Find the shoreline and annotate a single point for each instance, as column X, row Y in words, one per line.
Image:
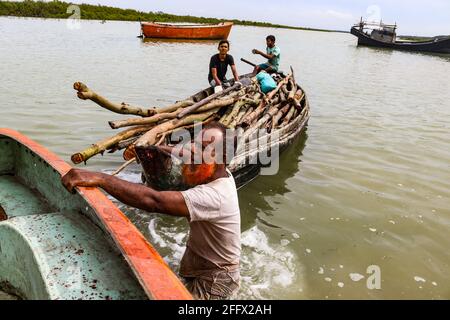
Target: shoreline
column 58, row 10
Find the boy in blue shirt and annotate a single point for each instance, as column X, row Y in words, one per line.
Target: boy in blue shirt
column 272, row 54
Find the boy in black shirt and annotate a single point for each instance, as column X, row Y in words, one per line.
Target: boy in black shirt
column 218, row 66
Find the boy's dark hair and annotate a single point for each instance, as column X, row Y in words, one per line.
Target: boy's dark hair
column 270, row 37
column 224, row 41
column 230, row 140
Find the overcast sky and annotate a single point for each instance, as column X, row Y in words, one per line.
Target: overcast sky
column 414, row 17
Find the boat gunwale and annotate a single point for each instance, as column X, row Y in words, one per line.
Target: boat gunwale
column 152, row 272
column 187, row 26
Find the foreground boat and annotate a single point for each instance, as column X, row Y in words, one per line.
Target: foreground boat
column 55, row 245
column 384, row 36
column 165, row 172
column 199, row 32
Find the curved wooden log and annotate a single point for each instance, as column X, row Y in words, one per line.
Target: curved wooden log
column 245, row 110
column 150, row 138
column 176, row 106
column 103, row 145
column 84, row 93
column 288, row 116
column 208, row 99
column 298, row 97
column 293, row 91
column 143, row 121
column 279, row 115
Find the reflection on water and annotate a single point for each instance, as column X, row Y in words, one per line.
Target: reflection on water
column 255, row 196
column 443, row 56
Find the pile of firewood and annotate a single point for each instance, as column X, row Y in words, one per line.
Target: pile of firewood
column 239, row 106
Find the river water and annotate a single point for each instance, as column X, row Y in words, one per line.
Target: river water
column 366, row 187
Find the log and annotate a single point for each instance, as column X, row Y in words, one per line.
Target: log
column 150, row 137
column 292, row 91
column 208, row 99
column 279, row 115
column 262, row 122
column 189, row 126
column 144, row 121
column 298, row 97
column 125, row 143
column 103, row 145
column 176, row 106
column 248, row 120
column 122, row 144
column 172, row 115
column 236, row 107
column 240, row 115
column 288, row 116
column 85, row 93
column 282, row 96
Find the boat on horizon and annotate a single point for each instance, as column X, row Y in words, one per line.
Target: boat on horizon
column 157, row 30
column 378, row 34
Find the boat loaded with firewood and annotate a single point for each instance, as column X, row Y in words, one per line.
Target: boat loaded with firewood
column 184, row 31
column 279, row 116
column 385, row 36
column 57, row 245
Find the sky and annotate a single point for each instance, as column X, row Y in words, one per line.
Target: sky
column 414, row 17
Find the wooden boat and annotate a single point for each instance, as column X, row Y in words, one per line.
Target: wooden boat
column 162, row 171
column 57, row 245
column 384, row 36
column 199, row 32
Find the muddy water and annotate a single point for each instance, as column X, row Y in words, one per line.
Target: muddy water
column 366, row 185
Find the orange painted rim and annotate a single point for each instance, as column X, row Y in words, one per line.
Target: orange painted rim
column 167, row 31
column 156, row 278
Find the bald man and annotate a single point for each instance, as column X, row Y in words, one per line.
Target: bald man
column 210, row 264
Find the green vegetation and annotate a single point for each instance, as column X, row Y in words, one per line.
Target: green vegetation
column 58, row 9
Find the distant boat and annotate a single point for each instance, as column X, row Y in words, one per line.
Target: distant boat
column 198, row 31
column 385, row 36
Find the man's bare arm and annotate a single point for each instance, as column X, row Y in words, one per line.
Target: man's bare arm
column 214, row 74
column 132, row 194
column 235, row 73
column 265, row 55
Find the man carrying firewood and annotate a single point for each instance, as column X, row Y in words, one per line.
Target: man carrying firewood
column 210, row 265
column 272, row 54
column 218, row 67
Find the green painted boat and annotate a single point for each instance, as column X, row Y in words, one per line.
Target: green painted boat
column 57, row 245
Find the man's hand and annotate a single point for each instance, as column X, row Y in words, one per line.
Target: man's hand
column 256, row 51
column 80, row 178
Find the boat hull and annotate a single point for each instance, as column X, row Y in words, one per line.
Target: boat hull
column 70, row 246
column 164, row 171
column 437, row 46
column 198, row 32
